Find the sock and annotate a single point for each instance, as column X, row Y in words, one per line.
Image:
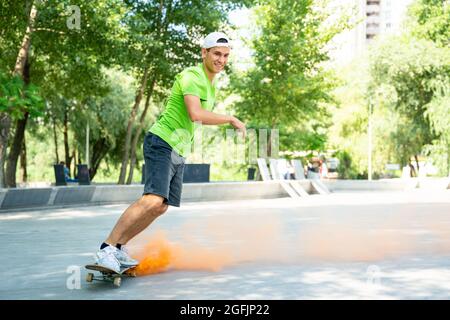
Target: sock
column 119, row 246
column 104, row 245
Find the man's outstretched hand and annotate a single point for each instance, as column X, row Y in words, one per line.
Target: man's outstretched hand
column 237, row 124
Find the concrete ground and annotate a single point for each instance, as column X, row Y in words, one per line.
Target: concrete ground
column 359, row 245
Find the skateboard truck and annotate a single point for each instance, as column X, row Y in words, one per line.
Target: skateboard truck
column 108, row 275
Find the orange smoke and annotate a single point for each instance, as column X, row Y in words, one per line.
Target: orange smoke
column 344, row 243
column 225, row 240
column 159, row 255
column 155, row 257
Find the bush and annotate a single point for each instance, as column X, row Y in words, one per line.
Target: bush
column 345, row 168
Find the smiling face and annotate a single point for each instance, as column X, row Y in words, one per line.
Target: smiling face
column 215, row 58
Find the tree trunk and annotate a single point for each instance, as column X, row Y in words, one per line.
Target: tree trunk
column 448, row 158
column 55, row 139
column 412, row 170
column 138, row 132
column 417, row 163
column 14, row 152
column 23, row 161
column 22, row 57
column 19, row 135
column 126, row 149
column 66, row 139
column 75, row 161
column 19, row 69
column 5, row 125
column 100, row 149
column 162, row 26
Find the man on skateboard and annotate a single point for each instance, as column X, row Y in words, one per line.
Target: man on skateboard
column 165, row 147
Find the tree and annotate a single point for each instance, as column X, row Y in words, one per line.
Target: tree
column 405, row 84
column 15, row 97
column 21, row 70
column 416, row 68
column 106, row 115
column 288, row 88
column 60, row 49
column 164, row 38
column 430, row 20
column 417, row 71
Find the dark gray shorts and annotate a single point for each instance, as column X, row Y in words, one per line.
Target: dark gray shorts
column 163, row 170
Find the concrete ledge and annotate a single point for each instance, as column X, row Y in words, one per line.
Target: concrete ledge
column 25, row 198
column 105, row 194
column 35, row 198
column 232, row 191
column 388, row 184
column 374, row 185
column 213, row 191
column 433, row 184
column 2, row 196
column 74, row 195
column 117, row 193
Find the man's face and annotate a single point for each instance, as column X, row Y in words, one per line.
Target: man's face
column 215, row 58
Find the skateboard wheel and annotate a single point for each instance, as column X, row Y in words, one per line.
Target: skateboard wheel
column 89, row 277
column 132, row 274
column 117, row 282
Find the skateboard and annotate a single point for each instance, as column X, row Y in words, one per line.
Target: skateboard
column 109, row 275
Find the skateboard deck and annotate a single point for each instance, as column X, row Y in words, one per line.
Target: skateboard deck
column 109, row 275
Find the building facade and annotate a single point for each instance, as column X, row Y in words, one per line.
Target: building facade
column 375, row 18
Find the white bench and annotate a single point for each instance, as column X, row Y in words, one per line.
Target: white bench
column 279, row 171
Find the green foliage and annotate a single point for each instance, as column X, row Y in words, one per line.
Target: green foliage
column 68, row 64
column 438, row 112
column 418, row 72
column 345, row 169
column 16, row 98
column 92, row 75
column 287, row 88
column 226, row 172
column 165, row 36
column 407, row 85
column 106, row 114
column 431, row 20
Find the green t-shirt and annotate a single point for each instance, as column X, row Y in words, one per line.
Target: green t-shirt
column 174, row 125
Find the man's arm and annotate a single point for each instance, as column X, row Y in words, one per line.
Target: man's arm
column 198, row 114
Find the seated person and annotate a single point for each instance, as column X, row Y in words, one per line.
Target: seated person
column 67, row 173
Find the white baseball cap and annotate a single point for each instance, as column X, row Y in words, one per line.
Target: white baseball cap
column 216, row 39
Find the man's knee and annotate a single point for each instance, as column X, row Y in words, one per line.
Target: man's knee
column 153, row 205
column 158, row 210
column 162, row 209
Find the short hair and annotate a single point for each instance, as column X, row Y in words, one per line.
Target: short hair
column 222, row 40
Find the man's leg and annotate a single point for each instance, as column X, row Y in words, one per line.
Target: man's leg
column 136, row 218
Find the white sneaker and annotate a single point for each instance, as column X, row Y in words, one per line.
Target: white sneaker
column 106, row 257
column 124, row 258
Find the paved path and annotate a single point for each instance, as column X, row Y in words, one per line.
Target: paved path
column 379, row 245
